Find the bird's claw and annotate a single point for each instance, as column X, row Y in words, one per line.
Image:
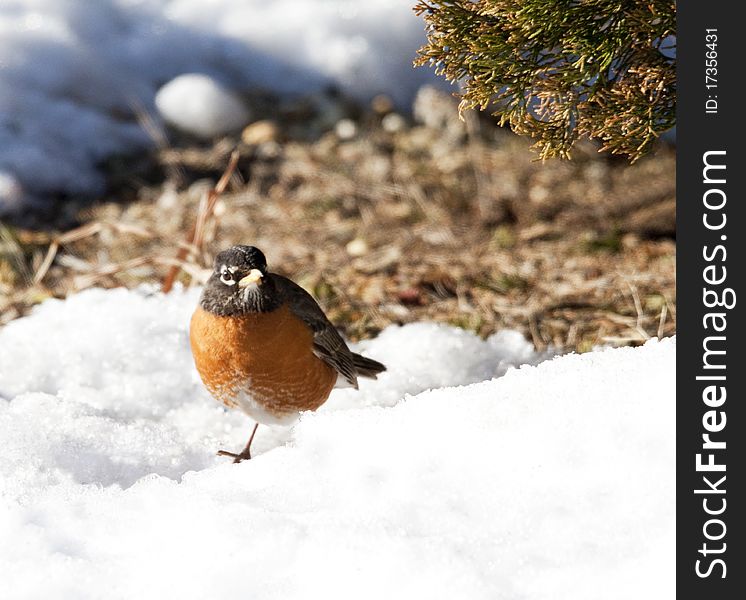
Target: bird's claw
column 237, row 458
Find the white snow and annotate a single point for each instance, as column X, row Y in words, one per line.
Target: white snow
column 551, row 481
column 199, row 105
column 74, row 73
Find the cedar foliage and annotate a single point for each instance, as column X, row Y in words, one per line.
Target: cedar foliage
column 557, row 70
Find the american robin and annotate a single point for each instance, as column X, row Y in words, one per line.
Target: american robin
column 262, row 344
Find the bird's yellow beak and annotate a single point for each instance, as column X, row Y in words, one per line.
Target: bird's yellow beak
column 253, row 278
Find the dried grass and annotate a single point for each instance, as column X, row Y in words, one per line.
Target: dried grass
column 389, row 228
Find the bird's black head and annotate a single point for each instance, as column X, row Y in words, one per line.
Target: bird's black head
column 239, row 284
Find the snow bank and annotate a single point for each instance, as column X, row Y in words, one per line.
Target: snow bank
column 73, row 73
column 553, row 481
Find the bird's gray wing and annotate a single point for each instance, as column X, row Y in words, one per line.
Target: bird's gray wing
column 328, row 345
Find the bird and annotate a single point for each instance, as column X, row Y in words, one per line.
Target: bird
column 263, row 345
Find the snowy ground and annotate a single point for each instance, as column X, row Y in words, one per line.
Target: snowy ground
column 553, row 481
column 73, row 72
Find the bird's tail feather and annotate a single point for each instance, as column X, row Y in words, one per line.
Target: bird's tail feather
column 367, row 367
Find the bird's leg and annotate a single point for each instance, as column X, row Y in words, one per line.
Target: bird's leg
column 245, row 453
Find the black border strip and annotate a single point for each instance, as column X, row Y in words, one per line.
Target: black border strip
column 710, row 262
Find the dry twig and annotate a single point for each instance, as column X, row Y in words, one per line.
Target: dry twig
column 195, row 237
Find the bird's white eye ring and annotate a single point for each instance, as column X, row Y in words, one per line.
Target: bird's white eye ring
column 227, row 278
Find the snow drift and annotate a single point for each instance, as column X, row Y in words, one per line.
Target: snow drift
column 551, row 481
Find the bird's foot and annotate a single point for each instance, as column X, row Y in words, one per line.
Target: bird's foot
column 245, row 453
column 237, row 458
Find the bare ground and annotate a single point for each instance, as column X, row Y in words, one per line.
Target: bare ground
column 386, row 221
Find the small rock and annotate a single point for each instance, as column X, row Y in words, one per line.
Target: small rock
column 357, row 247
column 346, row 129
column 220, row 208
column 260, row 132
column 393, row 123
column 382, row 104
column 376, row 168
column 538, row 194
column 169, row 197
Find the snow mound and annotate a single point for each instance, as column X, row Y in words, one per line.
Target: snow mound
column 199, row 105
column 551, row 481
column 74, row 75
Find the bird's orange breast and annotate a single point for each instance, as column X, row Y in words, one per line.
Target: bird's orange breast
column 262, row 359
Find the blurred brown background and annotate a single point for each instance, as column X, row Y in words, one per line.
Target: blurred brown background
column 385, row 218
